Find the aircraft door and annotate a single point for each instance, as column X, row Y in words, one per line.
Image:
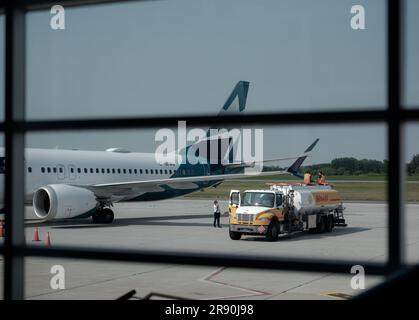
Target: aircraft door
column 60, row 172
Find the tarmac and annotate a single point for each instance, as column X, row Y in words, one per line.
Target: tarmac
column 186, row 225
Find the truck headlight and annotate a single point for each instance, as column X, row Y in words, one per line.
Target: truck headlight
column 264, row 219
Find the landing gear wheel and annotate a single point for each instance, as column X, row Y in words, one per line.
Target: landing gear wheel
column 273, row 231
column 103, row 216
column 96, row 216
column 235, row 235
column 329, row 224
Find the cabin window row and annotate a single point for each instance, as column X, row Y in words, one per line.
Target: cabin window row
column 105, row 171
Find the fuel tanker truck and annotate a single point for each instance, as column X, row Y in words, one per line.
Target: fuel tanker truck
column 284, row 209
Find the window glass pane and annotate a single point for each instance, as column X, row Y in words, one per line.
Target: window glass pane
column 100, row 280
column 2, row 70
column 2, row 217
column 352, row 158
column 185, row 57
column 411, row 92
column 2, row 278
column 412, row 192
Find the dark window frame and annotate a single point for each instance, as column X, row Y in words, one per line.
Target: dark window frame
column 15, row 126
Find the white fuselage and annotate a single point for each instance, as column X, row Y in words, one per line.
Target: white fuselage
column 75, row 167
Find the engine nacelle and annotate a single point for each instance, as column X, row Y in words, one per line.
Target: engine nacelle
column 61, row 201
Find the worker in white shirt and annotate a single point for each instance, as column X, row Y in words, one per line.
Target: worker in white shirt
column 217, row 214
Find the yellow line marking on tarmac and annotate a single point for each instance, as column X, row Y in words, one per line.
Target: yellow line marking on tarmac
column 339, row 295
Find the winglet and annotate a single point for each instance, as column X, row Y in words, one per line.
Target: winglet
column 293, row 169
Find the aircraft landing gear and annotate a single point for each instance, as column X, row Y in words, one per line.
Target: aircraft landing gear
column 103, row 216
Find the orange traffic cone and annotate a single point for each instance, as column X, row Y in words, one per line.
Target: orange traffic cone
column 2, row 233
column 48, row 240
column 36, row 235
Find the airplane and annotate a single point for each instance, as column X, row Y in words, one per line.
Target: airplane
column 68, row 184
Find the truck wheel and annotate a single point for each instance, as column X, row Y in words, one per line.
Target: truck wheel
column 273, row 231
column 235, row 235
column 322, row 225
column 329, row 224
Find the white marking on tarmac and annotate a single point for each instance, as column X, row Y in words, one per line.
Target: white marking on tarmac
column 210, row 279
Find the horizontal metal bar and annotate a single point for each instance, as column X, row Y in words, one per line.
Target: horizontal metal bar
column 32, row 5
column 311, row 118
column 202, row 120
column 410, row 114
column 200, row 259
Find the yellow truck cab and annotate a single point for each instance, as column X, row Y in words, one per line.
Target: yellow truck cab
column 284, row 209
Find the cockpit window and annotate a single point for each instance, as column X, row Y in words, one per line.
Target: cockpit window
column 258, row 199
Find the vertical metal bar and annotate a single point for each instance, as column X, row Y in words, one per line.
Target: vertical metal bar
column 395, row 143
column 14, row 180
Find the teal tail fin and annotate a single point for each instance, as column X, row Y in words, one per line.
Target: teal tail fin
column 236, row 102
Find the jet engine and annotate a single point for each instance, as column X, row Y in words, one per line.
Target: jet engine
column 61, row 201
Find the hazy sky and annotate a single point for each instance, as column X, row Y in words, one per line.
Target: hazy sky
column 185, row 56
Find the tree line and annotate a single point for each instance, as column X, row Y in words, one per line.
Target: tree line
column 413, row 166
column 353, row 166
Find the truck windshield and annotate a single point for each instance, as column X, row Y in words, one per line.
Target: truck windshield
column 259, row 199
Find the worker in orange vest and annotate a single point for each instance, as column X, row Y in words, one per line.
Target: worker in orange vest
column 321, row 179
column 307, row 177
